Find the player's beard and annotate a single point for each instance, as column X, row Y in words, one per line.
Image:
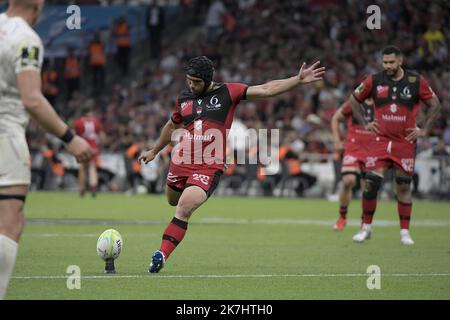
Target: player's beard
column 393, row 73
column 196, row 93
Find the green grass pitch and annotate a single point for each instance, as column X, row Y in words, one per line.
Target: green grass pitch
column 235, row 248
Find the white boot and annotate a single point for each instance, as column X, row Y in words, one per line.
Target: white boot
column 363, row 234
column 405, row 237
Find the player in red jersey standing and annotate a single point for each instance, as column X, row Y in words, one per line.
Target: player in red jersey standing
column 397, row 94
column 90, row 128
column 205, row 112
column 356, row 149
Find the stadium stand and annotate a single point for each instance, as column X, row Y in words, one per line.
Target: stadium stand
column 257, row 41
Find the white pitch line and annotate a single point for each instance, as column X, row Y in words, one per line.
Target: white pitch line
column 52, row 235
column 350, row 222
column 234, row 221
column 85, row 235
column 225, row 276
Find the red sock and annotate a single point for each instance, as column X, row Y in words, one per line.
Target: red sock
column 172, row 236
column 343, row 212
column 369, row 206
column 404, row 214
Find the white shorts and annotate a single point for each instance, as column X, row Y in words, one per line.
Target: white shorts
column 15, row 160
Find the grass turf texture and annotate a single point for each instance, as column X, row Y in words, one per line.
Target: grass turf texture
column 235, row 248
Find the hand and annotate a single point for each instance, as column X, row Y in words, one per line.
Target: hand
column 147, row 156
column 311, row 74
column 372, row 127
column 415, row 133
column 80, row 149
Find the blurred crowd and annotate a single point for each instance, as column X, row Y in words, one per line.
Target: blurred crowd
column 253, row 41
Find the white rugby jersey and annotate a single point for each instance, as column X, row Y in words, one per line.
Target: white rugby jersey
column 20, row 49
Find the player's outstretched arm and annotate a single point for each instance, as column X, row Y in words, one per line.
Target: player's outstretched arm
column 163, row 140
column 29, row 84
column 277, row 87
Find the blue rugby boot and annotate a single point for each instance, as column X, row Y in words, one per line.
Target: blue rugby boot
column 157, row 263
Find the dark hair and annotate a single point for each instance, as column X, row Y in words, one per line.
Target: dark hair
column 85, row 111
column 392, row 50
column 201, row 67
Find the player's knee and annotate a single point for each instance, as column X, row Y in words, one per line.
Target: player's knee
column 187, row 206
column 349, row 184
column 403, row 186
column 373, row 184
column 349, row 180
column 184, row 209
column 403, row 190
column 12, row 224
column 403, row 180
column 173, row 202
column 19, row 225
column 172, row 197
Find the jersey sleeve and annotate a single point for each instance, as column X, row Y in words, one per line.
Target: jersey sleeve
column 425, row 91
column 364, row 90
column 238, row 91
column 347, row 109
column 29, row 55
column 177, row 117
